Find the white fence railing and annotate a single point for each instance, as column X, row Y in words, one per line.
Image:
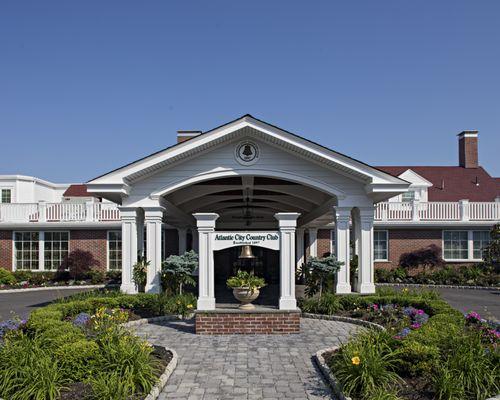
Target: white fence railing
column 59, row 212
column 438, row 211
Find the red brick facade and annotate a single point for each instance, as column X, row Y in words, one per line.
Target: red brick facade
column 216, row 323
column 6, row 250
column 94, row 241
column 324, row 242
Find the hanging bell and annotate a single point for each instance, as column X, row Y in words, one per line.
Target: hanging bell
column 246, row 252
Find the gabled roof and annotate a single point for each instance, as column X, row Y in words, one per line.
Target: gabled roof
column 376, row 179
column 78, row 190
column 454, row 183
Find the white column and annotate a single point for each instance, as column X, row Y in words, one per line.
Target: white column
column 206, row 293
column 194, row 234
column 89, row 211
column 287, row 225
column 366, row 278
column 343, row 215
column 42, row 211
column 182, row 232
column 129, row 247
column 313, row 242
column 153, row 217
column 299, row 246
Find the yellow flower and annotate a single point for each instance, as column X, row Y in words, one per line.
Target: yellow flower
column 356, row 360
column 189, row 306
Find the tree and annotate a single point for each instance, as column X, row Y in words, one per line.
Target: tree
column 78, row 263
column 177, row 271
column 425, row 257
column 320, row 272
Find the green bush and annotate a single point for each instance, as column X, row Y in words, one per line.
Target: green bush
column 76, row 358
column 112, row 386
column 7, row 277
column 328, row 304
column 418, row 359
column 366, row 364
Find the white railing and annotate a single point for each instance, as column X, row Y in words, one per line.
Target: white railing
column 462, row 210
column 59, row 212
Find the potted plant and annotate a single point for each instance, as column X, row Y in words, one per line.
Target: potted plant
column 140, row 273
column 245, row 287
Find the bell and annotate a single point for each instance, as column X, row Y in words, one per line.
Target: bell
column 246, row 252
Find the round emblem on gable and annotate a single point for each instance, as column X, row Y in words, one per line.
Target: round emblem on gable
column 247, row 153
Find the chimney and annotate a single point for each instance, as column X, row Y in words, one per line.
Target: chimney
column 182, row 136
column 467, row 149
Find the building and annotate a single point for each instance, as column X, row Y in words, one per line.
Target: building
column 249, row 182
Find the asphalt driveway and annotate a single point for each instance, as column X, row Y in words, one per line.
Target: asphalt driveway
column 21, row 304
column 485, row 302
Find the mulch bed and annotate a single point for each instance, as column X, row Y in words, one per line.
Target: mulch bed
column 80, row 390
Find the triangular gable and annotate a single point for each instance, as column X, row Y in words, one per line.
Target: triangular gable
column 415, row 179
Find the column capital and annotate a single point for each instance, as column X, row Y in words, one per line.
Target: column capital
column 342, row 213
column 128, row 214
column 287, row 220
column 153, row 213
column 205, row 221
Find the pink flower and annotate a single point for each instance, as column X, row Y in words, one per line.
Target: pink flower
column 415, row 325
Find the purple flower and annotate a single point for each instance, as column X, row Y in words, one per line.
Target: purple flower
column 415, row 325
column 10, row 325
column 81, row 320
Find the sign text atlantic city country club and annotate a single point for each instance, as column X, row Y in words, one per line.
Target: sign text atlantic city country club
column 229, row 239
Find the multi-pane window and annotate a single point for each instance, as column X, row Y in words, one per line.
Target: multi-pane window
column 6, row 196
column 380, row 245
column 26, row 250
column 56, row 247
column 481, row 239
column 456, row 245
column 115, row 250
column 408, row 196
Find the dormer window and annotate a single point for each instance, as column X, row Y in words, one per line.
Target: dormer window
column 408, row 197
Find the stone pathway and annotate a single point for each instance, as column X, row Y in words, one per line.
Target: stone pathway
column 246, row 366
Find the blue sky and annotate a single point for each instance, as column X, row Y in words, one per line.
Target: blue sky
column 88, row 86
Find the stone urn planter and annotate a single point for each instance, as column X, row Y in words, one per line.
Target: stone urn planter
column 245, row 296
column 245, row 287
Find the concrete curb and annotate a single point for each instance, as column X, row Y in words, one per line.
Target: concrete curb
column 319, row 359
column 42, row 288
column 419, row 285
column 162, row 380
column 354, row 321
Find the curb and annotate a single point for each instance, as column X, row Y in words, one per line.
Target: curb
column 162, row 380
column 354, row 321
column 327, row 374
column 42, row 288
column 419, row 285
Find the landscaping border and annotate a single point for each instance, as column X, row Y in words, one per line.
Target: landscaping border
column 319, row 359
column 423, row 286
column 354, row 321
column 62, row 287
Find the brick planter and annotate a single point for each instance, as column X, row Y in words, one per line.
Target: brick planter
column 258, row 321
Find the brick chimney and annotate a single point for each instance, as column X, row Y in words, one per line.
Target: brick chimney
column 467, row 149
column 182, row 136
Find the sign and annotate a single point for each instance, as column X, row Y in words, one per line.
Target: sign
column 224, row 240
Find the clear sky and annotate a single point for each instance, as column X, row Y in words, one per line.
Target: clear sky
column 87, row 86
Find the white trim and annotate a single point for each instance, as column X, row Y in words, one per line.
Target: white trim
column 470, row 245
column 41, row 255
column 107, row 248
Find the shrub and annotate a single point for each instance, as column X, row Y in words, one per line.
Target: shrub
column 112, row 386
column 7, row 277
column 328, row 304
column 114, row 277
column 22, row 276
column 425, row 257
column 320, row 274
column 76, row 358
column 79, row 263
column 140, row 273
column 418, row 359
column 177, row 271
column 95, row 276
column 366, row 364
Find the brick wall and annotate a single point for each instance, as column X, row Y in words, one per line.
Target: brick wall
column 6, row 250
column 94, row 241
column 324, row 247
column 221, row 323
column 406, row 240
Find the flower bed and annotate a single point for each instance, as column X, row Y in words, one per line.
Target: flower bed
column 428, row 350
column 78, row 349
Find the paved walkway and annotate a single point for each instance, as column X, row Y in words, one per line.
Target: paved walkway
column 246, row 366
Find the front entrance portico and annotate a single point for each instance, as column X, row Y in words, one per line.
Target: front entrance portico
column 248, row 176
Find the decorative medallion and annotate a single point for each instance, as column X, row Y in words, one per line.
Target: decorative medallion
column 247, row 153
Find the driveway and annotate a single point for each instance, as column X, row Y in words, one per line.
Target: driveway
column 246, row 366
column 22, row 303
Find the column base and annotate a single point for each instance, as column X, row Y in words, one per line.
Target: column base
column 366, row 288
column 343, row 288
column 128, row 288
column 205, row 303
column 288, row 304
column 152, row 289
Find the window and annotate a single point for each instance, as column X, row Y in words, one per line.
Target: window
column 26, row 250
column 455, row 245
column 481, row 239
column 380, row 245
column 408, row 196
column 6, row 196
column 56, row 247
column 115, row 250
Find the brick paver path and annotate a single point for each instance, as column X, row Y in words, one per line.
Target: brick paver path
column 246, row 366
